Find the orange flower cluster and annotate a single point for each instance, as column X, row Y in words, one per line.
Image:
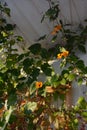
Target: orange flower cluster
column 39, row 85
column 56, row 29
column 63, row 54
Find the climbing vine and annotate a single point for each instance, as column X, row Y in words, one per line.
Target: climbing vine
column 26, row 101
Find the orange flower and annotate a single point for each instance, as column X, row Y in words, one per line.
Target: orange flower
column 56, row 29
column 39, row 84
column 63, row 54
column 59, row 56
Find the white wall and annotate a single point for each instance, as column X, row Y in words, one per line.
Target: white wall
column 27, row 14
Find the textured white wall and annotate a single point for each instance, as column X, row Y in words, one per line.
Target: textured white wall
column 27, row 14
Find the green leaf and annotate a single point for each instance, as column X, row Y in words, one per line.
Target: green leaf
column 54, row 78
column 76, row 108
column 12, row 42
column 35, row 48
column 85, row 70
column 73, row 58
column 84, row 114
column 12, row 100
column 32, row 88
column 63, row 82
column 27, row 112
column 53, row 12
column 48, row 71
column 4, row 34
column 35, row 73
column 19, row 38
column 20, row 57
column 9, row 27
column 13, row 118
column 82, row 103
column 28, row 62
column 7, row 11
column 9, row 63
column 65, row 72
column 66, row 75
column 31, row 106
column 80, row 81
column 71, row 77
column 80, row 100
column 42, row 37
column 80, row 64
column 14, row 72
column 82, row 48
column 46, row 68
column 62, row 49
column 76, row 121
column 44, row 53
column 7, row 115
column 30, row 80
column 20, row 86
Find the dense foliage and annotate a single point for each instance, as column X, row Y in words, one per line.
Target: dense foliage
column 26, row 102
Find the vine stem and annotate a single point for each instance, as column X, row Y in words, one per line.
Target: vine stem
column 8, row 117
